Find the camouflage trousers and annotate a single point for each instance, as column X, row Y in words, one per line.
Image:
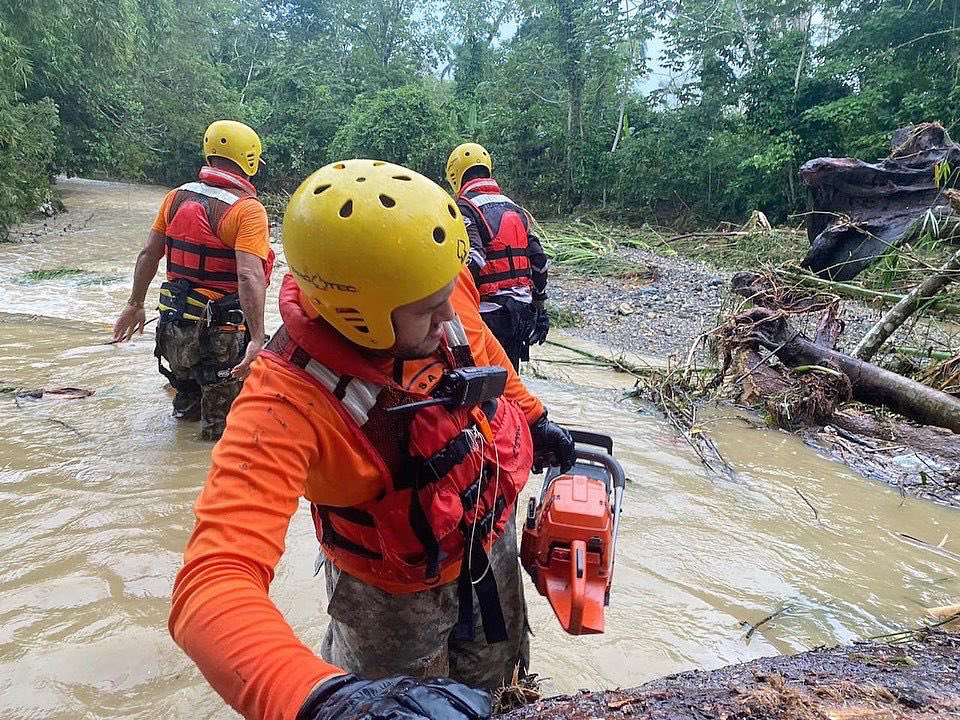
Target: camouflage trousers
column 179, row 345
column 375, row 634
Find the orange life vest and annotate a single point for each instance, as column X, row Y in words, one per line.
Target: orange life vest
column 507, row 262
column 194, row 250
column 451, row 476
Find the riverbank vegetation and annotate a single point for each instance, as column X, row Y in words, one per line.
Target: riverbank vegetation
column 684, row 114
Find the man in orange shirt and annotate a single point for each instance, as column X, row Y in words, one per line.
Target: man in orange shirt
column 388, row 405
column 216, row 239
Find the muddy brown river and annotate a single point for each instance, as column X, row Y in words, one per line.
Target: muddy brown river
column 96, row 497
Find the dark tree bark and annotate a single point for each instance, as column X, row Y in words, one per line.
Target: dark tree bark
column 870, row 384
column 860, row 209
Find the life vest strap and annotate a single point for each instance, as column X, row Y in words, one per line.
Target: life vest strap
column 424, row 533
column 477, row 563
column 503, row 253
column 331, row 537
column 492, row 278
column 199, row 249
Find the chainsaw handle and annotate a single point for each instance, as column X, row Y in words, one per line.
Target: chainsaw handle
column 614, row 478
column 583, row 437
column 578, row 585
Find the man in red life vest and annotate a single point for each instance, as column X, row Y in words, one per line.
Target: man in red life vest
column 506, row 259
column 412, row 488
column 215, row 236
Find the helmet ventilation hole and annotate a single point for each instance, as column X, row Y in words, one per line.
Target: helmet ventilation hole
column 347, row 209
column 467, row 154
column 355, row 320
column 223, row 141
column 320, row 188
column 387, row 201
column 452, row 211
column 402, row 177
column 378, row 163
column 439, row 235
column 339, row 166
column 361, row 179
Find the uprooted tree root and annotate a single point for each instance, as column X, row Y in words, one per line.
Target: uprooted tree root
column 522, row 690
column 918, row 679
column 792, row 397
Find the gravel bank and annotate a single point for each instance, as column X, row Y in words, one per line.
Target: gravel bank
column 660, row 312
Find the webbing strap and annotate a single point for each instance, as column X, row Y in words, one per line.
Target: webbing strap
column 424, row 472
column 486, row 279
column 476, row 563
column 200, row 273
column 507, row 252
column 200, row 249
column 175, row 382
column 334, row 539
column 421, row 528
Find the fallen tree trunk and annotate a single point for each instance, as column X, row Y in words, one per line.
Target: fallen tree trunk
column 899, row 313
column 913, row 680
column 861, row 210
column 856, row 292
column 932, row 441
column 869, row 383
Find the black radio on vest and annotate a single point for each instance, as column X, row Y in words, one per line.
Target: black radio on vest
column 463, row 387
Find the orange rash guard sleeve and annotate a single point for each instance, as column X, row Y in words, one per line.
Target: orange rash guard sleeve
column 221, row 612
column 485, row 346
column 160, row 221
column 247, row 228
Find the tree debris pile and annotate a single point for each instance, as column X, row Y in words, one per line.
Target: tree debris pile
column 768, row 361
column 861, row 210
column 922, row 461
column 918, row 679
column 792, row 397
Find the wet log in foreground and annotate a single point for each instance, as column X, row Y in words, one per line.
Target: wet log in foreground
column 915, row 680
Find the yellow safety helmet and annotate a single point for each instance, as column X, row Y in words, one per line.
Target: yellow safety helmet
column 462, row 159
column 235, row 141
column 364, row 237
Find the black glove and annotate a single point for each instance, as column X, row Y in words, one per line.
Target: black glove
column 552, row 446
column 541, row 326
column 349, row 697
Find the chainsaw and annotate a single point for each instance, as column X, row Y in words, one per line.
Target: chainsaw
column 569, row 540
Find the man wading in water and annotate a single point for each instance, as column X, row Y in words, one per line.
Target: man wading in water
column 216, row 239
column 414, row 507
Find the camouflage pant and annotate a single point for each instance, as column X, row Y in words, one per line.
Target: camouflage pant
column 376, row 634
column 179, row 344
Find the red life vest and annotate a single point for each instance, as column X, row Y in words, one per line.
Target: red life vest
column 194, row 250
column 508, row 264
column 451, row 477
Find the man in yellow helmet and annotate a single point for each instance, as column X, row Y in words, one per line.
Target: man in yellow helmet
column 384, row 401
column 216, row 239
column 506, row 259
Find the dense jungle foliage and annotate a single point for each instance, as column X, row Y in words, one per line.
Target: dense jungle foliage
column 560, row 91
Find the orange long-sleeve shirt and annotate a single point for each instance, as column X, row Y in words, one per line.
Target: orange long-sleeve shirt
column 283, row 440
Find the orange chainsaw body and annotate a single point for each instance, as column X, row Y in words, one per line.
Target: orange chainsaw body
column 567, row 547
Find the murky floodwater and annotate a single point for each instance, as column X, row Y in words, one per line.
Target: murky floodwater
column 96, row 496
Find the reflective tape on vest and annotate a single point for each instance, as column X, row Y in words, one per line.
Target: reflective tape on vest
column 358, row 396
column 481, row 200
column 211, row 192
